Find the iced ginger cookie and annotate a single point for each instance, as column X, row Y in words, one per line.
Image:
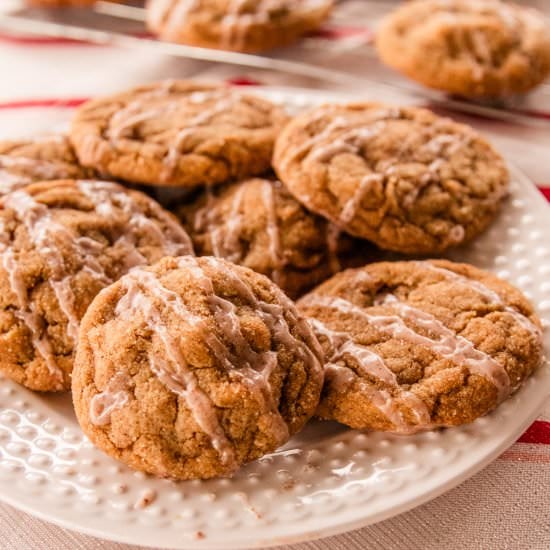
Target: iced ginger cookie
column 258, row 224
column 61, row 243
column 411, row 346
column 239, row 25
column 177, row 133
column 472, row 48
column 404, row 178
column 194, row 366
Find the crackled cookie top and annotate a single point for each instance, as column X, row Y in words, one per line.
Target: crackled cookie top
column 258, row 224
column 468, row 47
column 60, row 243
column 40, row 159
column 241, row 25
column 418, row 345
column 193, row 367
column 404, row 178
column 177, row 133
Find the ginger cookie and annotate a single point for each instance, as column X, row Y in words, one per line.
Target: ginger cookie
column 239, row 25
column 40, row 159
column 404, row 178
column 62, row 242
column 258, row 224
column 474, row 48
column 193, row 367
column 411, row 346
column 177, row 133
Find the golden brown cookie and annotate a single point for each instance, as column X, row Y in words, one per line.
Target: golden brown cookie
column 239, row 25
column 40, row 159
column 62, row 242
column 474, row 48
column 258, row 224
column 411, row 346
column 402, row 177
column 177, row 133
column 193, row 367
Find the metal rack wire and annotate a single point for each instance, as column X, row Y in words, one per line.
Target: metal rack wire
column 123, row 25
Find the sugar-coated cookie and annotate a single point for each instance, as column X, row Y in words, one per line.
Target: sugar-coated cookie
column 406, row 179
column 258, row 224
column 177, row 133
column 193, row 367
column 412, row 346
column 62, row 242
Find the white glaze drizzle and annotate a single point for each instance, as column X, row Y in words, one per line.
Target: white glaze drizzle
column 225, row 236
column 487, row 293
column 113, row 397
column 272, row 230
column 333, row 233
column 447, row 343
column 236, row 23
column 371, row 364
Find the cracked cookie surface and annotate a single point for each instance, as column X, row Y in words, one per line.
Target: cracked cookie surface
column 402, row 177
column 46, row 158
column 411, row 346
column 239, row 25
column 193, row 367
column 468, row 47
column 62, row 242
column 258, row 224
column 177, row 133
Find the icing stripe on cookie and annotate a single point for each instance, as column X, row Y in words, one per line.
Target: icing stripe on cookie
column 113, row 397
column 273, row 316
column 170, row 366
column 254, row 368
column 487, row 293
column 107, row 197
column 448, row 344
column 371, row 364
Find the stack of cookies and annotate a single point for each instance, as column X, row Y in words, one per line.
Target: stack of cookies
column 177, row 331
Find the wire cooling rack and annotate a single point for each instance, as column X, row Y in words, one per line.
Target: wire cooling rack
column 123, row 25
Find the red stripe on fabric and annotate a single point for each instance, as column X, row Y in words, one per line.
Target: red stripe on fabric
column 538, row 432
column 243, row 81
column 545, row 190
column 44, row 103
column 57, row 41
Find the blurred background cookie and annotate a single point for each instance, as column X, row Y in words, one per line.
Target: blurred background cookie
column 474, row 48
column 240, row 25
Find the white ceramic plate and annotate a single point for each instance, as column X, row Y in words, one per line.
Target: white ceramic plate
column 325, row 481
